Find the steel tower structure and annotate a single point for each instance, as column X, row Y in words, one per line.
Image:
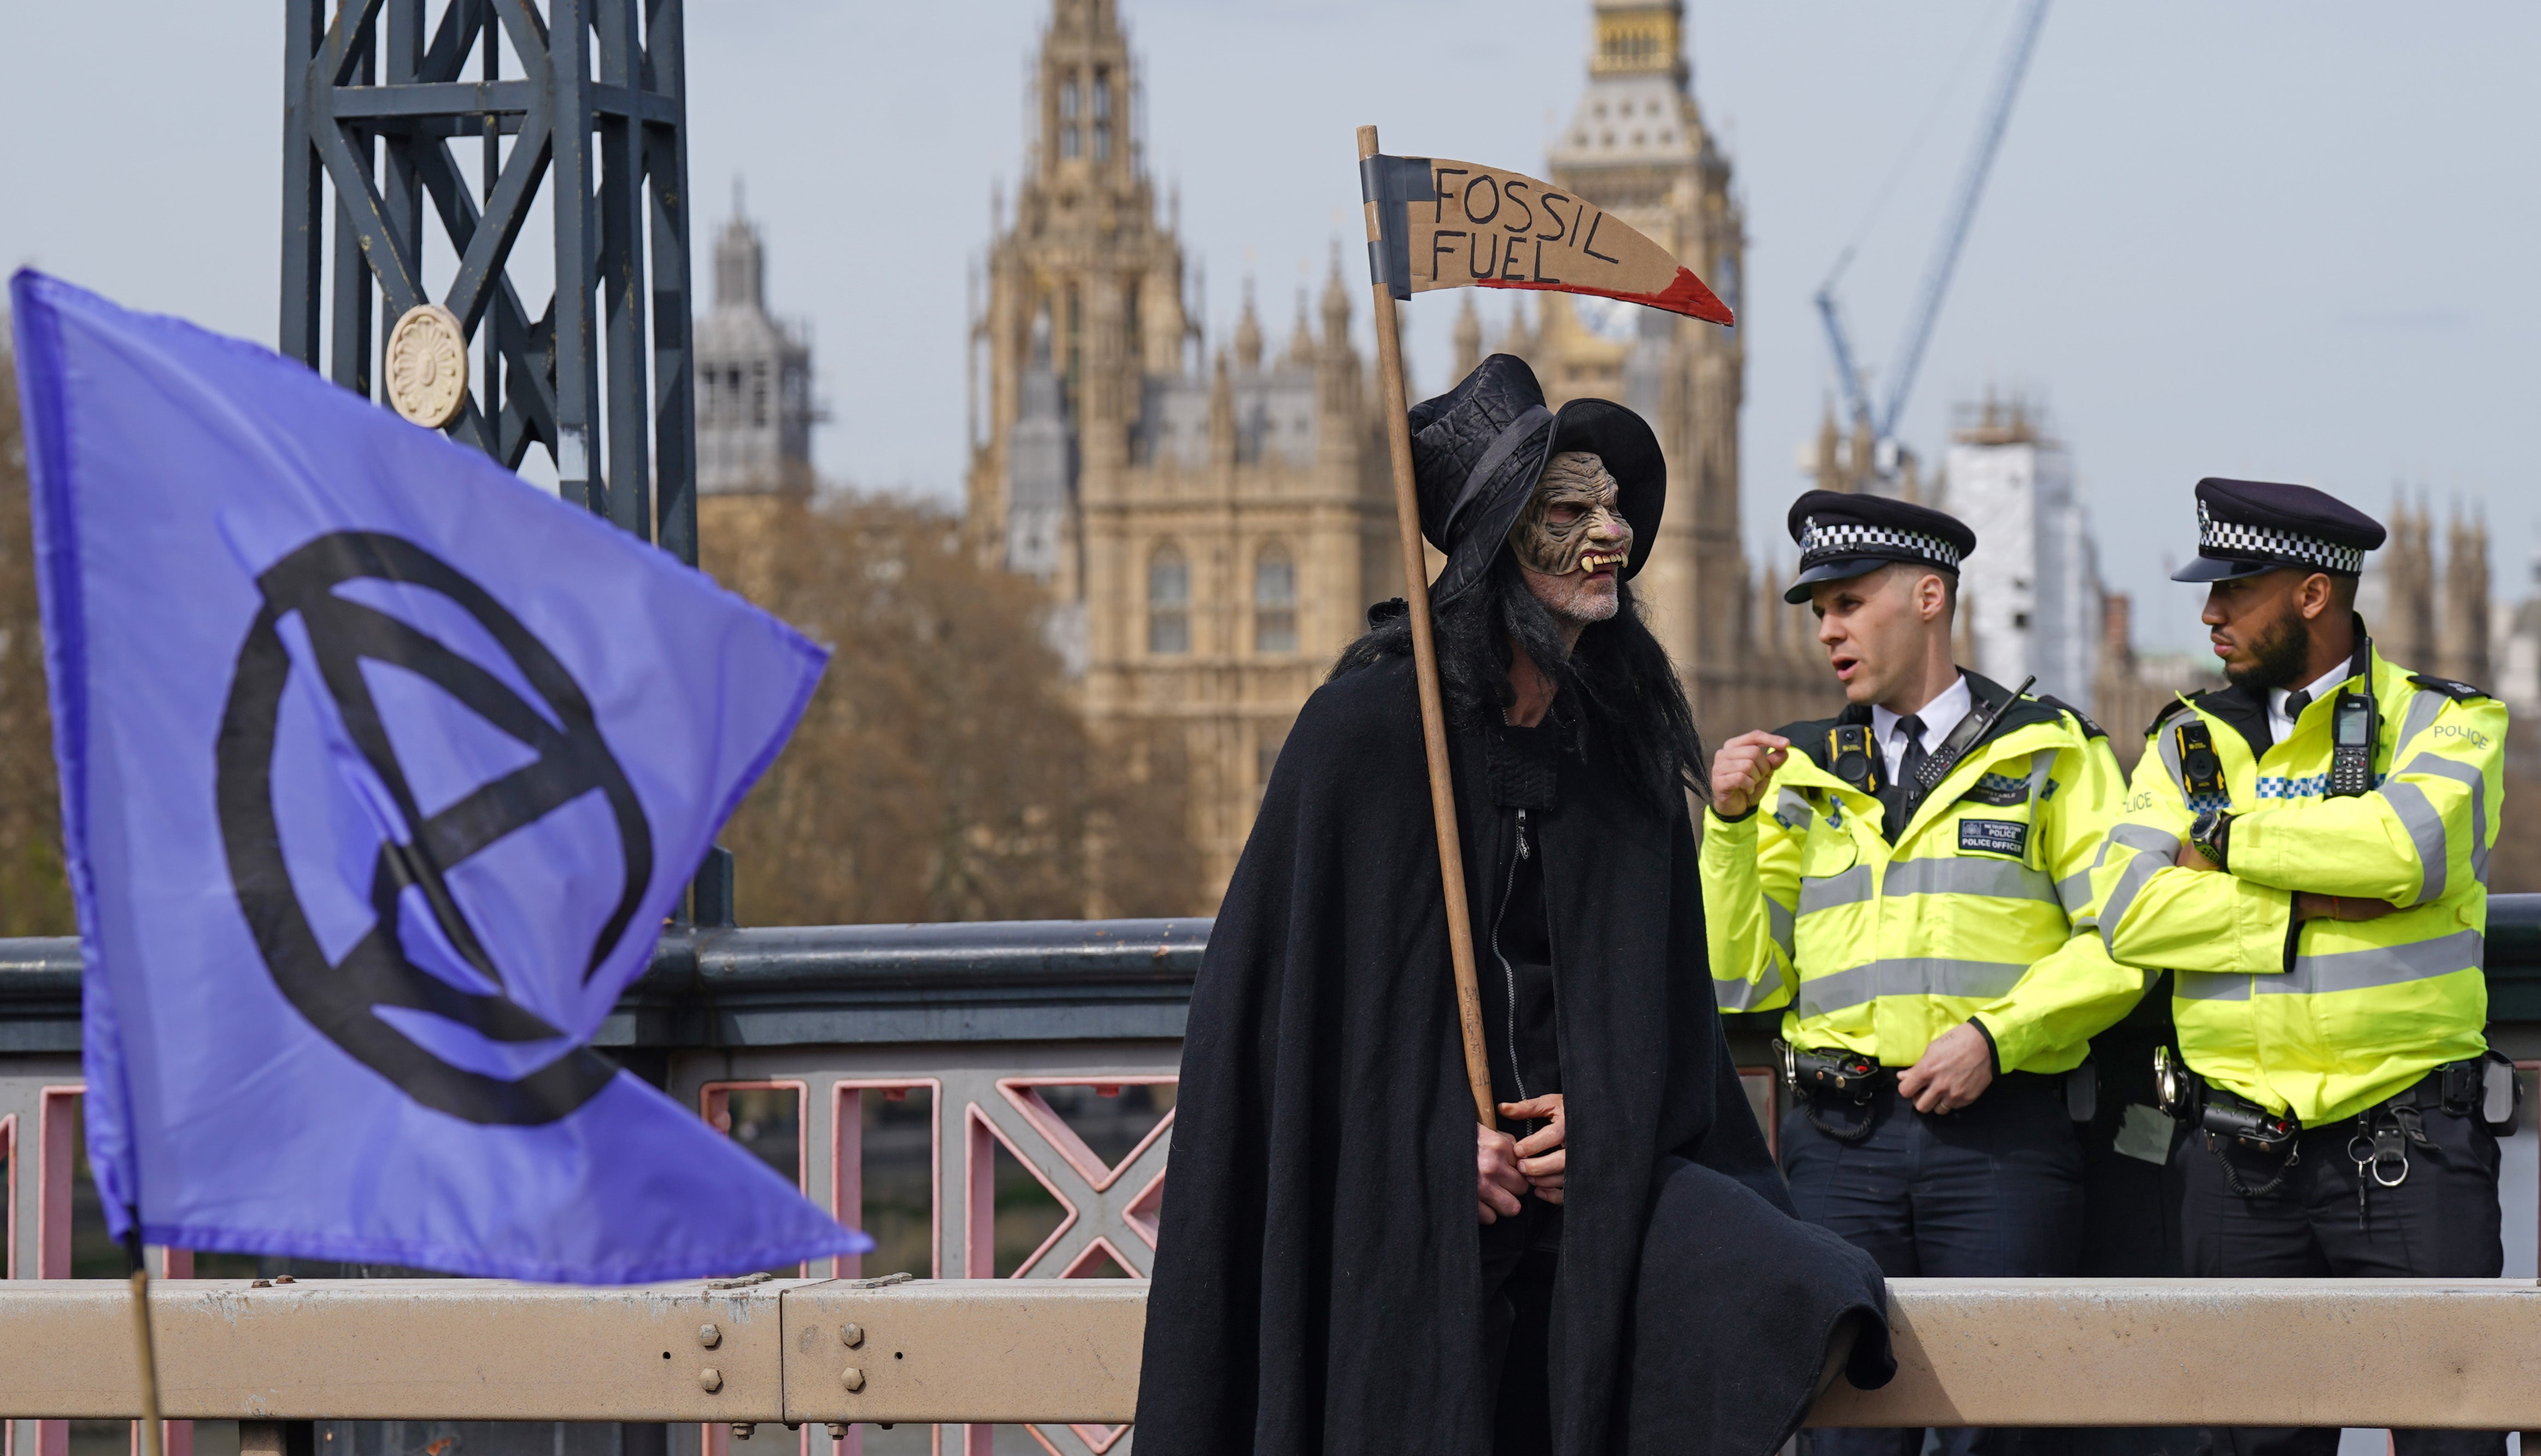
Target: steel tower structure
column 377, row 103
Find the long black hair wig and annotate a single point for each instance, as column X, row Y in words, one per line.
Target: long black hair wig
column 1616, row 689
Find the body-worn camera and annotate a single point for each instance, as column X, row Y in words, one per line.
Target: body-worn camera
column 2199, row 765
column 1853, row 756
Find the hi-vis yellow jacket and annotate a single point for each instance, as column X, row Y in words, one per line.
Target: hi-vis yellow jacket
column 1982, row 909
column 2328, row 1017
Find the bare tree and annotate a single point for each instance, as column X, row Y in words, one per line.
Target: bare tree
column 941, row 773
column 34, row 895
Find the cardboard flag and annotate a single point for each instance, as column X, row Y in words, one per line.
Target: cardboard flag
column 1434, row 223
column 381, row 768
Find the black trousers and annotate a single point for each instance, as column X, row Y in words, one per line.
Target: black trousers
column 2441, row 1223
column 1993, row 1189
column 1520, row 1256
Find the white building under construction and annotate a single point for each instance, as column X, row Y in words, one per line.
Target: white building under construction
column 2030, row 596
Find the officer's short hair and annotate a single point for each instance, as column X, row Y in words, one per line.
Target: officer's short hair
column 1909, row 571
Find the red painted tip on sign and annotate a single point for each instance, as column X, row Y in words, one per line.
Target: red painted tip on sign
column 1687, row 295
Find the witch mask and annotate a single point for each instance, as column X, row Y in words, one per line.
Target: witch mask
column 1575, row 522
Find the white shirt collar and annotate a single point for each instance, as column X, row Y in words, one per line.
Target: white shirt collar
column 1940, row 716
column 2280, row 726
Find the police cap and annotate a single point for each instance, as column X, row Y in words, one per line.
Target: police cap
column 2246, row 527
column 1841, row 535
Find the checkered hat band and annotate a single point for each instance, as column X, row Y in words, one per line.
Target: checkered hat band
column 1847, row 539
column 2232, row 537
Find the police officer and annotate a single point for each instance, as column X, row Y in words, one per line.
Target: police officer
column 2306, row 849
column 1911, row 881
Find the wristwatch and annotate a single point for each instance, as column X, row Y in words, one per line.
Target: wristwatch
column 2211, row 835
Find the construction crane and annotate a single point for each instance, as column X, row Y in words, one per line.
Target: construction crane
column 1882, row 421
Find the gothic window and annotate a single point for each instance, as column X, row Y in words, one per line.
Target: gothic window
column 1168, row 600
column 759, row 393
column 1067, row 133
column 1274, row 601
column 1102, row 114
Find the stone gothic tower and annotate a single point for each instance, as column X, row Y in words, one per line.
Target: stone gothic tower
column 1212, row 530
column 1087, row 269
column 2431, row 618
column 754, row 412
column 755, row 406
column 1636, row 145
column 2461, row 638
column 2405, row 630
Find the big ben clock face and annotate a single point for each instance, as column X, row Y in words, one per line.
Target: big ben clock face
column 1608, row 318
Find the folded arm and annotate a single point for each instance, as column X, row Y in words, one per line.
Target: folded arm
column 2155, row 913
column 2422, row 834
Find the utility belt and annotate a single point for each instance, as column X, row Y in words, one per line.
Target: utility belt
column 1834, row 1077
column 2484, row 1087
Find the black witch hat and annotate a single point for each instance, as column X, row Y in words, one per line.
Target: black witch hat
column 1478, row 451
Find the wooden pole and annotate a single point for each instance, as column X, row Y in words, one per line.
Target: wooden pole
column 150, row 1427
column 1424, row 662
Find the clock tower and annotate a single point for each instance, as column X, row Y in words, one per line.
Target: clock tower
column 1638, row 147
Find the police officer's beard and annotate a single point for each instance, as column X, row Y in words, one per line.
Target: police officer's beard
column 2278, row 653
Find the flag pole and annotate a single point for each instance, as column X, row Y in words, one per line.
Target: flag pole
column 140, row 1262
column 1424, row 662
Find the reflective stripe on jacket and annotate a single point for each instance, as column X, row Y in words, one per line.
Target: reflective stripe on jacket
column 1981, row 910
column 2329, row 1018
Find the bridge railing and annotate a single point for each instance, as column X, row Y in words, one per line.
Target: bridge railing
column 1065, row 1354
column 992, row 1099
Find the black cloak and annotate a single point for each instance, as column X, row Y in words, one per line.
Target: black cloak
column 1317, row 1278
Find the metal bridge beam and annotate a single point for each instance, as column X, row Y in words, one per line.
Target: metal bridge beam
column 2344, row 1353
column 375, row 103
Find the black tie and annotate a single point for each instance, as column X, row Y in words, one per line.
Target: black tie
column 2296, row 703
column 1911, row 763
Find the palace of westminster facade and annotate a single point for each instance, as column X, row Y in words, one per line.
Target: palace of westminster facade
column 1211, row 528
column 1213, row 531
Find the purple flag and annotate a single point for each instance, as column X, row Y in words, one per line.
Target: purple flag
column 381, row 768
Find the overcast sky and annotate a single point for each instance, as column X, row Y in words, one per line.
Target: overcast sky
column 2290, row 239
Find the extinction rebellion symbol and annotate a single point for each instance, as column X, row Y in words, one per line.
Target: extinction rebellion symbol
column 342, row 997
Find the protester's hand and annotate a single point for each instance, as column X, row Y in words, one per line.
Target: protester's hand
column 1742, row 768
column 1542, row 1156
column 2311, row 906
column 1498, row 1184
column 1952, row 1072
